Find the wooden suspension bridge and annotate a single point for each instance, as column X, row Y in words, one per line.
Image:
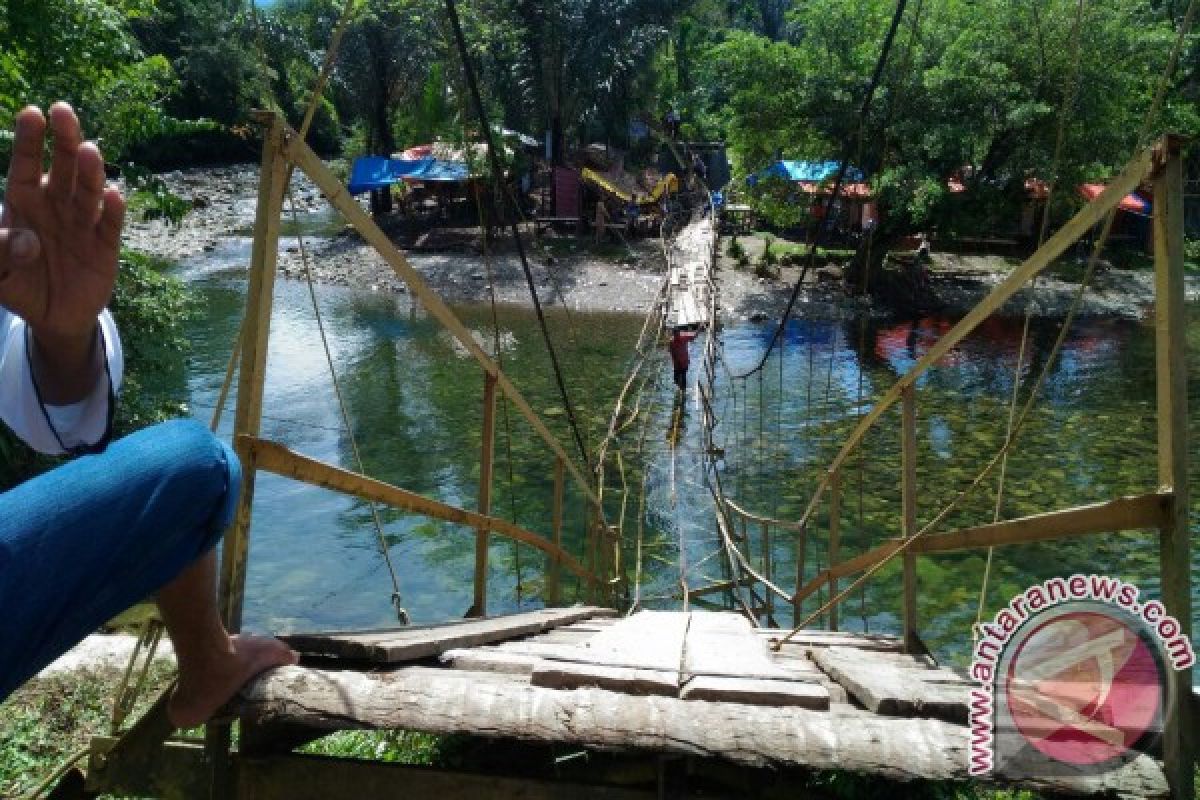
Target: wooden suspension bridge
column 682, row 703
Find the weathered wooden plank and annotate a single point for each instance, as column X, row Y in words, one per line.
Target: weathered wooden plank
column 480, row 659
column 884, row 688
column 724, row 644
column 453, row 701
column 553, row 674
column 646, row 640
column 801, row 694
column 410, row 644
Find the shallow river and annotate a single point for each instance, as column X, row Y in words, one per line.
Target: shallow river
column 414, row 401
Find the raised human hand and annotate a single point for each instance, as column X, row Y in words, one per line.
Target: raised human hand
column 76, row 220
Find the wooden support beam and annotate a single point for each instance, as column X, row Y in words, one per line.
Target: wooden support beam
column 835, row 539
column 1170, row 327
column 778, row 523
column 908, row 493
column 180, row 770
column 554, row 576
column 487, row 453
column 276, row 458
column 719, row 587
column 1130, row 178
column 335, row 192
column 256, row 334
column 1143, row 511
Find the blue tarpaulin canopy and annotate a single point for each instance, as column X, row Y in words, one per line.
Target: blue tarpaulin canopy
column 806, row 171
column 375, row 172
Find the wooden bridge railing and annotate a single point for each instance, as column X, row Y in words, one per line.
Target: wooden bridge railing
column 1164, row 510
column 284, row 150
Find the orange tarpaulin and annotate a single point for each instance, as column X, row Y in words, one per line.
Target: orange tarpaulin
column 1133, row 202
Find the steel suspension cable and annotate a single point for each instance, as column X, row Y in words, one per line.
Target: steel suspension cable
column 811, row 258
column 401, row 612
column 1043, row 229
column 494, row 160
column 1072, row 311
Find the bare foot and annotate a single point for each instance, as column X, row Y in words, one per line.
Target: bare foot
column 204, row 688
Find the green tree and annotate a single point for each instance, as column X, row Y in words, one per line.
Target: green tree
column 83, row 51
column 974, row 84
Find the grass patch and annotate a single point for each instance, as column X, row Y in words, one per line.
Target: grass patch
column 50, row 719
column 394, row 747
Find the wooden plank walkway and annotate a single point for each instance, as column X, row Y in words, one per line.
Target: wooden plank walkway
column 689, row 276
column 699, row 684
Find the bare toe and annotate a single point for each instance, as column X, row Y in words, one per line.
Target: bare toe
column 202, row 691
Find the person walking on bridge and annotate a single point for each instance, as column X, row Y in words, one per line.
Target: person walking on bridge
column 680, row 357
column 122, row 521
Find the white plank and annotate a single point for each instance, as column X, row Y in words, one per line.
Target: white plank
column 724, row 644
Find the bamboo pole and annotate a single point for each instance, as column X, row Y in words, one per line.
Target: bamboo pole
column 277, row 459
column 835, row 539
column 554, row 578
column 255, row 338
column 766, row 565
column 1170, row 325
column 1139, row 512
column 798, row 597
column 486, row 456
column 909, row 501
column 335, row 192
column 1129, row 179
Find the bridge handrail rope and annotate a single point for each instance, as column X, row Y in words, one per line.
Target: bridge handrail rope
column 1141, row 166
column 1130, row 178
column 494, row 159
column 811, row 257
column 1043, row 229
column 384, row 551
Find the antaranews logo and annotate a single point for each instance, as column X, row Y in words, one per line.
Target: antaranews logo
column 1074, row 674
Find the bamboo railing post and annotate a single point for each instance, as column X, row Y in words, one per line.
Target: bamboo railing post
column 908, row 459
column 554, row 574
column 252, row 378
column 487, row 452
column 766, row 566
column 593, row 555
column 835, row 539
column 1170, row 325
column 798, row 598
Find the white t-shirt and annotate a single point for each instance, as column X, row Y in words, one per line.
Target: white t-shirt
column 82, row 423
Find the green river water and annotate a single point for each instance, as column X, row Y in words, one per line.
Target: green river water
column 415, row 402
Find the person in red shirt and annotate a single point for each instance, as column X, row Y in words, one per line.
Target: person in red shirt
column 680, row 358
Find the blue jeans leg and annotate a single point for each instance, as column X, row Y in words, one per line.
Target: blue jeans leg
column 84, row 542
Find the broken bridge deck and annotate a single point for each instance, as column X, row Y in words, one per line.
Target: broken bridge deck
column 684, row 684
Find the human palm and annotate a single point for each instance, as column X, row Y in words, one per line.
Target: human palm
column 77, row 221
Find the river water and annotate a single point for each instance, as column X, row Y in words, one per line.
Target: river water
column 414, row 401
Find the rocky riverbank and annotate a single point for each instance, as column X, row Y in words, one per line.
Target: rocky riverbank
column 573, row 272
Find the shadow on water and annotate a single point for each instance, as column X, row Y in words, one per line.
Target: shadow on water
column 415, row 400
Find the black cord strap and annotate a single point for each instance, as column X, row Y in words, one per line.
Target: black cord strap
column 80, row 449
